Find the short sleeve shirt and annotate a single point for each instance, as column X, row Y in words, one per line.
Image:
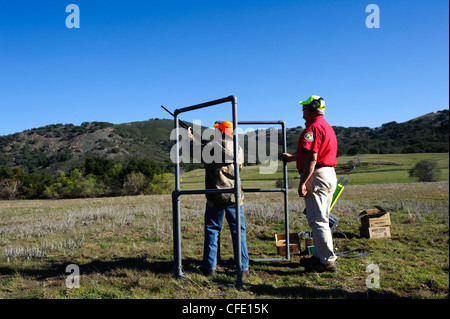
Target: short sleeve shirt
column 320, row 138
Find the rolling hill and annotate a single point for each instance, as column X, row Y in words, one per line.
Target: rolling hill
column 61, row 147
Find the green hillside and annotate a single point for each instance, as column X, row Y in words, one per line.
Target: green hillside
column 103, row 159
column 61, row 147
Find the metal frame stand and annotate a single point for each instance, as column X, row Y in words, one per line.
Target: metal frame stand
column 178, row 271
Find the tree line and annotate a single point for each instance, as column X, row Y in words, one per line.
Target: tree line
column 96, row 178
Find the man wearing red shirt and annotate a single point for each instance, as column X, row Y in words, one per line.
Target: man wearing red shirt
column 316, row 159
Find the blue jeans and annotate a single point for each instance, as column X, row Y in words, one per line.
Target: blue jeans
column 213, row 226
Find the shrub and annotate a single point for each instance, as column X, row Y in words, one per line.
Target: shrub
column 425, row 171
column 74, row 185
column 135, row 183
column 161, row 184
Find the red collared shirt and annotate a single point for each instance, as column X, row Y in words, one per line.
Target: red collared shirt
column 320, row 138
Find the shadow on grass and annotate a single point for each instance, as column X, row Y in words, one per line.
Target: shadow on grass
column 302, row 292
column 135, row 263
column 296, row 292
column 95, row 266
column 166, row 267
column 346, row 235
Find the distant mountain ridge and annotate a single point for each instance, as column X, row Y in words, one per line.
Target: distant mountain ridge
column 64, row 146
column 428, row 133
column 61, row 147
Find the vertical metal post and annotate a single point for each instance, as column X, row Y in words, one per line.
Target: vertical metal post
column 286, row 211
column 237, row 194
column 178, row 272
column 281, row 189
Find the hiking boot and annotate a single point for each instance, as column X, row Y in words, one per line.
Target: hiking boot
column 206, row 272
column 245, row 274
column 320, row 267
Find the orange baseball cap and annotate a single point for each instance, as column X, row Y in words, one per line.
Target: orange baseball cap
column 226, row 127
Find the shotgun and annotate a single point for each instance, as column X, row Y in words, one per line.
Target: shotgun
column 184, row 125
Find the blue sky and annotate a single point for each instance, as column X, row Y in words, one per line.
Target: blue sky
column 129, row 57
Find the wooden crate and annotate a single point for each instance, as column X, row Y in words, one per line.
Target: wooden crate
column 294, row 244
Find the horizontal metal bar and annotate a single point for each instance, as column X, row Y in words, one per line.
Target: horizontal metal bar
column 230, row 98
column 261, row 122
column 264, row 190
column 268, row 260
column 282, row 123
column 230, row 190
column 205, row 191
column 230, row 261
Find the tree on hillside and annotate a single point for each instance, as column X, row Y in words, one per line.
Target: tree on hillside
column 98, row 166
column 10, row 182
column 146, row 166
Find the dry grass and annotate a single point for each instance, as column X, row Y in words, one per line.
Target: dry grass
column 123, row 247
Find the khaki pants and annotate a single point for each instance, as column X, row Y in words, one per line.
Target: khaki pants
column 321, row 187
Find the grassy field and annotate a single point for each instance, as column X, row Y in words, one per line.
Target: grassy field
column 372, row 169
column 123, row 245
